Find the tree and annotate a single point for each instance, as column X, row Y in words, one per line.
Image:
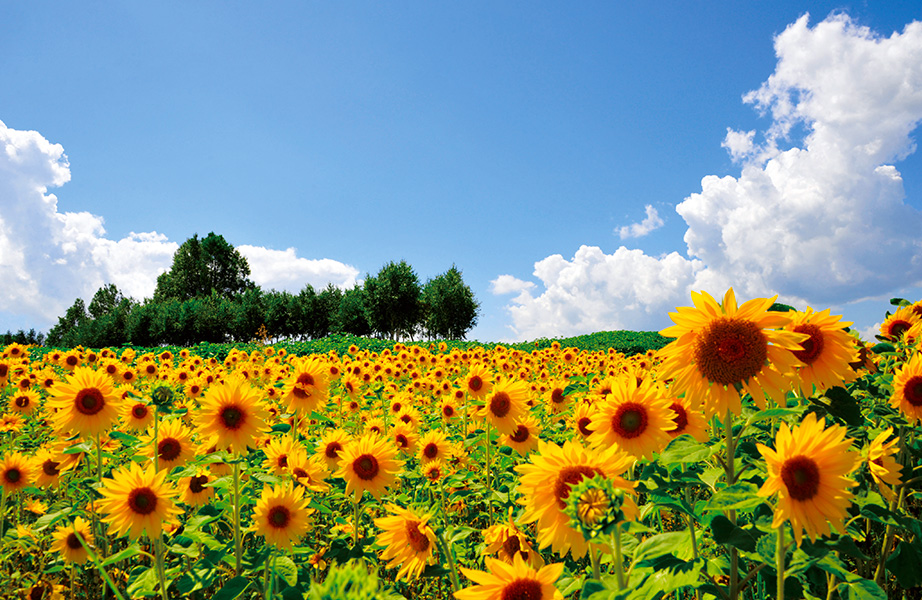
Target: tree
column 393, row 300
column 351, row 315
column 75, row 316
column 451, row 309
column 202, row 265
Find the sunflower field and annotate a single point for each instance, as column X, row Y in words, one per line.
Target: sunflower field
column 760, row 454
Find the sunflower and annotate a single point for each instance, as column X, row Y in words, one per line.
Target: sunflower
column 722, row 351
column 434, row 446
column 907, row 389
column 408, row 541
column 505, row 540
column 556, row 399
column 688, row 420
column 544, row 485
column 281, row 515
column 369, row 463
column 50, row 463
column 232, row 415
column 174, row 445
column 309, row 471
column 826, row 354
column 581, row 420
column 405, row 438
column 895, row 325
column 195, row 490
column 448, row 409
column 478, row 382
column 137, row 415
column 24, row 402
column 16, row 472
column 137, row 501
column 306, row 388
column 517, row 581
column 525, row 437
column 433, row 471
column 883, row 466
column 278, row 453
column 809, row 471
column 635, row 418
column 67, row 541
column 86, row 402
column 505, row 405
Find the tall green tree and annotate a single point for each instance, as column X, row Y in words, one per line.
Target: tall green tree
column 450, row 307
column 351, row 315
column 202, row 265
column 63, row 332
column 393, row 300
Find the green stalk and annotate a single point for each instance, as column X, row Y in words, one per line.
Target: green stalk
column 161, row 571
column 238, row 542
column 731, row 479
column 453, row 569
column 779, row 557
column 619, row 560
column 594, row 557
column 355, row 519
column 270, row 573
column 488, row 473
column 294, row 425
column 102, row 571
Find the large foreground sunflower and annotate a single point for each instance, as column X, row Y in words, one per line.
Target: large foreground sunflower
column 545, row 483
column 137, row 501
column 809, row 470
column 634, row 417
column 281, row 515
column 369, row 463
column 408, row 541
column 86, row 402
column 232, row 415
column 724, row 350
column 517, row 581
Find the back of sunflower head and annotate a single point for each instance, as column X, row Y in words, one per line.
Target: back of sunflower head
column 351, row 581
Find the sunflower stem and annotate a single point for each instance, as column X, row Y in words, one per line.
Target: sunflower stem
column 238, row 543
column 269, row 574
column 355, row 519
column 102, row 570
column 594, row 558
column 619, row 560
column 779, row 558
column 294, row 426
column 731, row 478
column 489, row 474
column 446, row 550
column 161, row 572
column 895, row 505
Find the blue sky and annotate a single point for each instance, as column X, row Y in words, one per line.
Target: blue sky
column 518, row 141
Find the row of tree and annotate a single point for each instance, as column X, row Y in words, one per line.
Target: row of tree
column 207, row 296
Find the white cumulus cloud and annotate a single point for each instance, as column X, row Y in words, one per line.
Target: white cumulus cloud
column 821, row 220
column 636, row 230
column 48, row 257
column 285, row 270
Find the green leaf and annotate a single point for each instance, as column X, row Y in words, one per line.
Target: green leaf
column 232, row 589
column 85, row 447
column 882, row 348
column 725, row 532
column 51, row 518
column 739, row 496
column 860, row 589
column 144, row 585
column 129, row 552
column 906, row 564
column 844, row 406
column 285, row 568
column 675, row 542
column 685, row 449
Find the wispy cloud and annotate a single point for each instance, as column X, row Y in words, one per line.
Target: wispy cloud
column 636, row 230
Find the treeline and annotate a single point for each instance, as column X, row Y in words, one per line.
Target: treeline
column 207, row 296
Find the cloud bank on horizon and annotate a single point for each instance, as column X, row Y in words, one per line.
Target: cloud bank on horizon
column 48, row 257
column 822, row 223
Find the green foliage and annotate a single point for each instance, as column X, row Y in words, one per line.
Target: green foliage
column 393, row 300
column 450, row 308
column 351, row 581
column 202, row 266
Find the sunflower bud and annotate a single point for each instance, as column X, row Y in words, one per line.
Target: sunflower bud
column 595, row 506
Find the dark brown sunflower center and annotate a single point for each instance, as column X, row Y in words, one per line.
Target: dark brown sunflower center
column 72, row 361
column 812, row 346
column 332, row 450
column 630, row 420
column 557, row 396
column 583, row 426
column 416, row 538
column 366, row 467
column 396, row 407
column 232, row 417
column 801, row 476
column 511, row 545
column 142, row 501
column 433, row 474
column 197, row 483
column 520, row 435
column 898, row 328
column 12, row 475
column 522, row 589
column 431, row 450
column 730, row 351
column 448, row 410
column 570, row 476
column 89, row 401
column 50, row 467
column 279, row 517
column 475, row 383
column 500, row 404
column 139, row 411
column 680, row 417
column 912, row 391
column 402, row 441
column 299, row 473
column 111, row 369
column 169, row 449
column 73, row 542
